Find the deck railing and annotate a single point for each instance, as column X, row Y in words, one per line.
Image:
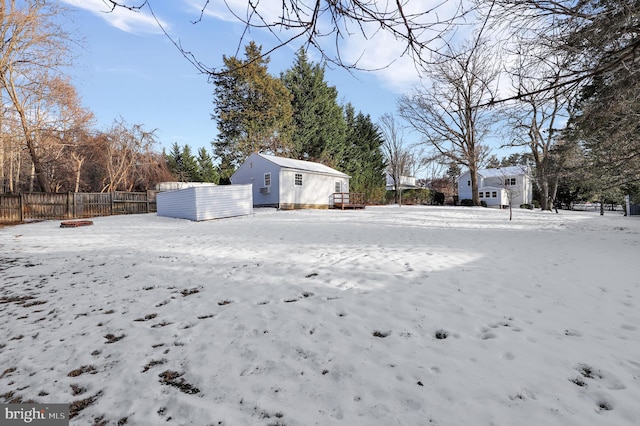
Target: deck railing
column 348, row 200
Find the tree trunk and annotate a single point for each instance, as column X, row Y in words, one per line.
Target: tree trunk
column 11, row 163
column 544, row 193
column 79, row 162
column 473, row 171
column 32, row 177
column 2, row 171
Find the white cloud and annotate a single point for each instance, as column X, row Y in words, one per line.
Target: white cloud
column 383, row 54
column 135, row 22
column 235, row 10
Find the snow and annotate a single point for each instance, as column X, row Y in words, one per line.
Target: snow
column 315, row 317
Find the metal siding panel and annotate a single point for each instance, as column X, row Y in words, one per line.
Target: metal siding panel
column 223, row 201
column 179, row 204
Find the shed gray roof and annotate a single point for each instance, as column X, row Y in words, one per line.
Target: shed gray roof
column 309, row 166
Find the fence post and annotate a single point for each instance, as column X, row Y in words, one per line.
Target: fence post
column 112, row 203
column 70, row 208
column 21, row 207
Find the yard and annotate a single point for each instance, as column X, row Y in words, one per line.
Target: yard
column 390, row 315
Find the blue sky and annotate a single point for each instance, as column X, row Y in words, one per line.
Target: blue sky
column 126, row 67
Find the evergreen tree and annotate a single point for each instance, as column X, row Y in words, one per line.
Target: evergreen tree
column 189, row 166
column 363, row 159
column 182, row 164
column 252, row 109
column 320, row 129
column 174, row 159
column 206, row 169
column 605, row 124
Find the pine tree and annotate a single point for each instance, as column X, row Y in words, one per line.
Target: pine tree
column 252, row 109
column 189, row 165
column 320, row 130
column 206, row 169
column 182, row 164
column 174, row 160
column 363, row 159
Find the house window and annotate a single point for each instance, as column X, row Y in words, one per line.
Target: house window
column 481, row 194
column 298, row 179
column 338, row 187
column 510, row 181
column 494, row 194
column 267, row 179
column 468, row 183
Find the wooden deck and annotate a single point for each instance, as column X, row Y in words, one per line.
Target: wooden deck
column 348, row 200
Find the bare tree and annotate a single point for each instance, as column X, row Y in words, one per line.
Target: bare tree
column 537, row 119
column 34, row 49
column 420, row 28
column 511, row 188
column 399, row 158
column 62, row 124
column 452, row 114
column 11, row 155
column 124, row 150
column 598, row 37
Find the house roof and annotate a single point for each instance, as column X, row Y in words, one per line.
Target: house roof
column 500, row 172
column 503, row 171
column 308, row 166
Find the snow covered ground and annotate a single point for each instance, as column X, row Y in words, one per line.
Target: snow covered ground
column 386, row 316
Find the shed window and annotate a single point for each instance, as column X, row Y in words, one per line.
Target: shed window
column 468, row 183
column 267, row 179
column 298, row 179
column 481, row 194
column 510, row 181
column 494, row 194
column 338, row 187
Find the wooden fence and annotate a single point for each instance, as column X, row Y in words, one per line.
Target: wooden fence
column 29, row 206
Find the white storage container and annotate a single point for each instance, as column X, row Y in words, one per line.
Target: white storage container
column 206, row 202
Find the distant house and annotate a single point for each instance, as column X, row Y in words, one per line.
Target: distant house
column 290, row 184
column 406, row 182
column 497, row 186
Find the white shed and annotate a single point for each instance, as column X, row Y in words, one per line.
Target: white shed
column 206, row 202
column 287, row 183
